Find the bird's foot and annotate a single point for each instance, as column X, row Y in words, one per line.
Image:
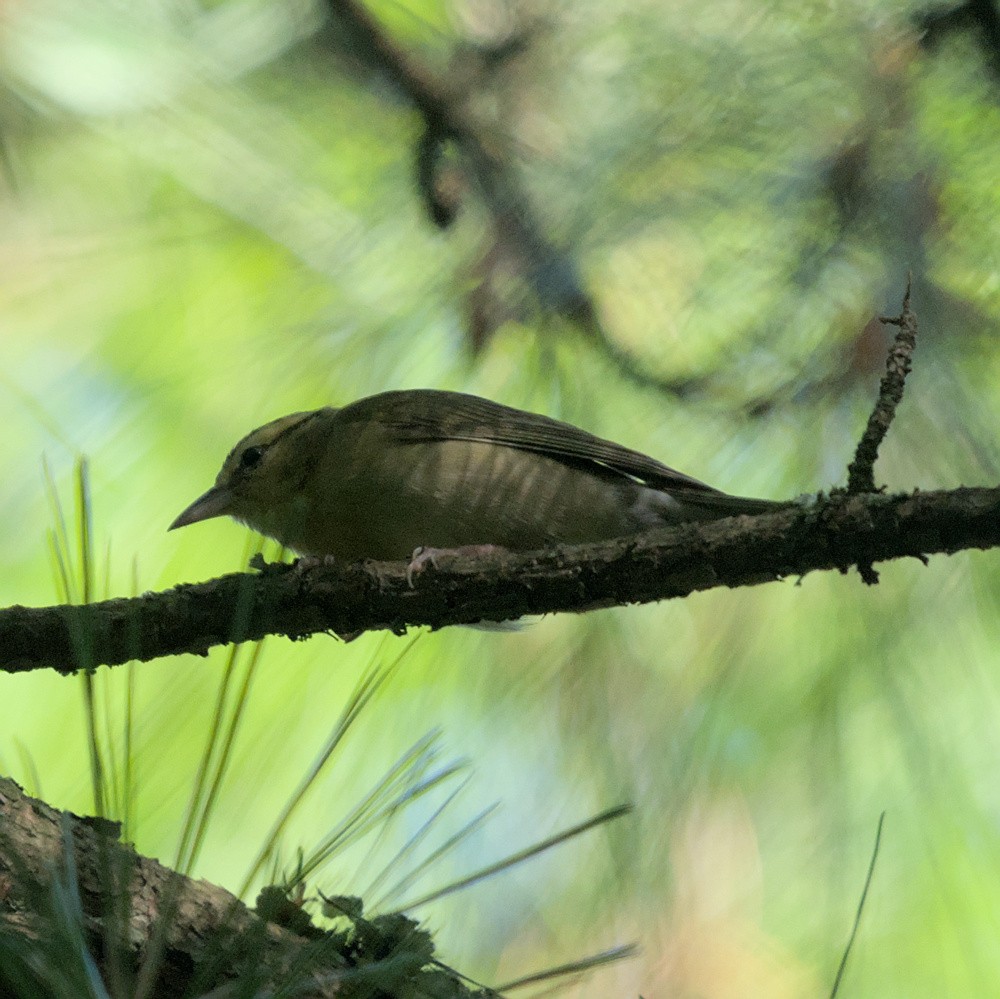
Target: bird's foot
column 261, row 565
column 306, row 562
column 421, row 557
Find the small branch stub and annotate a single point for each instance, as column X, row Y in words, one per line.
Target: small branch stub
column 861, row 471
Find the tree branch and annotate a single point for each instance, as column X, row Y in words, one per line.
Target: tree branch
column 55, row 864
column 73, row 898
column 828, row 533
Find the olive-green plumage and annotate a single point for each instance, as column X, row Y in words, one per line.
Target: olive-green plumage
column 422, row 468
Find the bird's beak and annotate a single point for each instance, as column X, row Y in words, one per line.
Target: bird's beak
column 214, row 503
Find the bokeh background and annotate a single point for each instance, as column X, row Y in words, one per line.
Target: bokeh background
column 211, row 217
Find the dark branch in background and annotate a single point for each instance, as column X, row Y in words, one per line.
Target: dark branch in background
column 861, row 471
column 828, row 533
column 433, row 180
column 979, row 17
column 550, row 271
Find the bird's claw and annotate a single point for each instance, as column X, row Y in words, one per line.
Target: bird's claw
column 419, row 559
column 422, row 555
column 306, row 562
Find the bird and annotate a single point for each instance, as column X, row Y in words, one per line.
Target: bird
column 423, row 469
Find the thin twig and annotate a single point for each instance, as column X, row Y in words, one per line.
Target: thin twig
column 861, row 906
column 861, row 471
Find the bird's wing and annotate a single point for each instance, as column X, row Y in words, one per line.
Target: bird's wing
column 432, row 415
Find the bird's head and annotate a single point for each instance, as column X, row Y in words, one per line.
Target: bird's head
column 260, row 477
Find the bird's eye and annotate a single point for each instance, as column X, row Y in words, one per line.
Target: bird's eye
column 251, row 458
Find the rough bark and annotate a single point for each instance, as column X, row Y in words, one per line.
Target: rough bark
column 826, row 533
column 76, row 903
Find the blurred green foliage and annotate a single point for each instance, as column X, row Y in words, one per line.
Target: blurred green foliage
column 210, row 219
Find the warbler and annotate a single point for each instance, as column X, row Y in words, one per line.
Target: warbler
column 427, row 469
